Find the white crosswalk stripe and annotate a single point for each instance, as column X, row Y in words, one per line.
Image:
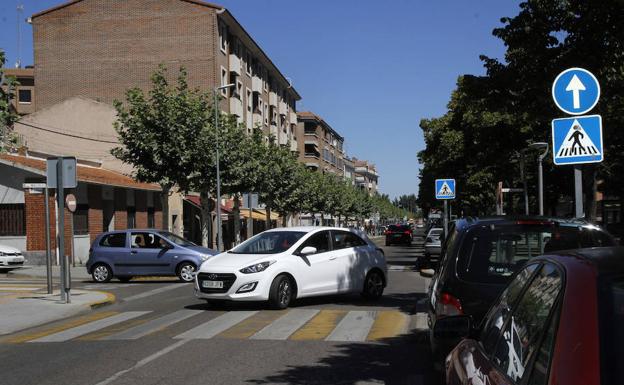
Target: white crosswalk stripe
column 286, row 325
column 216, row 325
column 355, row 326
column 154, row 325
column 90, row 327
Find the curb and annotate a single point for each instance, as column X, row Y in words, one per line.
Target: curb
column 110, row 299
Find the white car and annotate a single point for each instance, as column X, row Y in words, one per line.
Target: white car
column 10, row 257
column 280, row 265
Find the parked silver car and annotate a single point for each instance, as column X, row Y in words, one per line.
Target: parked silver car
column 433, row 244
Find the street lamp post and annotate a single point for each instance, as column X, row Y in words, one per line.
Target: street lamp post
column 218, row 205
column 540, row 180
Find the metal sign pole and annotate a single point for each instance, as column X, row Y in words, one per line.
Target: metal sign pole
column 578, row 191
column 445, row 221
column 47, row 238
column 60, row 236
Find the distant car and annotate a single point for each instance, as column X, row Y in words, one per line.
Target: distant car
column 283, row 264
column 398, row 234
column 433, row 244
column 557, row 322
column 420, row 225
column 10, row 257
column 128, row 253
column 482, row 254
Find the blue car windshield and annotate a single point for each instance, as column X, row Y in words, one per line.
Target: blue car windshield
column 270, row 242
column 176, row 239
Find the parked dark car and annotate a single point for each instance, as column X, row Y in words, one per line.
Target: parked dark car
column 481, row 255
column 128, row 253
column 558, row 322
column 401, row 234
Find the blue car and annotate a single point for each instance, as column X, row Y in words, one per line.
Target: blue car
column 127, row 253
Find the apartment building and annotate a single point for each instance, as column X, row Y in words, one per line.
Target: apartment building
column 366, row 175
column 100, row 48
column 24, row 100
column 320, row 146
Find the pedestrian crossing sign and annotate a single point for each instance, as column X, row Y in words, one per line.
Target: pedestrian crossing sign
column 577, row 140
column 445, row 188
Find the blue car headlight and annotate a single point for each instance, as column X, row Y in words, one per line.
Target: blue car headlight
column 256, row 268
column 204, row 257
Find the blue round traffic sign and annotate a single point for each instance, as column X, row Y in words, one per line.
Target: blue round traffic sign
column 576, row 91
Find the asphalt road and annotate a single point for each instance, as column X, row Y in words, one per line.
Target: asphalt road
column 159, row 333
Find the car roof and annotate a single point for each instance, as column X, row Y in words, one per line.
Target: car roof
column 467, row 222
column 135, row 230
column 606, row 260
column 309, row 229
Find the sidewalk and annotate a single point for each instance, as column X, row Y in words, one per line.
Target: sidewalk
column 26, row 306
column 39, row 271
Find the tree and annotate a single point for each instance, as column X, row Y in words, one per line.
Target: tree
column 158, row 131
column 8, row 116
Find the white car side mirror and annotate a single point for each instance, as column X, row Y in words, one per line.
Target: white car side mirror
column 308, row 250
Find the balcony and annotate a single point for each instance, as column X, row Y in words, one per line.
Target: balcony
column 256, row 84
column 359, row 179
column 257, row 119
column 283, row 139
column 236, row 107
column 272, row 99
column 293, row 118
column 283, row 109
column 235, row 64
column 293, row 145
column 273, row 131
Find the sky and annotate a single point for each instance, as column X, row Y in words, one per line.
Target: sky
column 371, row 69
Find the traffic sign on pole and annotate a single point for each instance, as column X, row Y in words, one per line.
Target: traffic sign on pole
column 576, row 91
column 577, row 140
column 445, row 188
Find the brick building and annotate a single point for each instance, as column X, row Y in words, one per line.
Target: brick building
column 24, row 101
column 320, row 146
column 101, row 48
column 106, row 200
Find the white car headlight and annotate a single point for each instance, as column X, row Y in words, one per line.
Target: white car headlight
column 258, row 267
column 204, row 257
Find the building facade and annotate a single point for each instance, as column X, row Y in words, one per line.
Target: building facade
column 101, row 48
column 320, row 146
column 24, row 100
column 366, row 176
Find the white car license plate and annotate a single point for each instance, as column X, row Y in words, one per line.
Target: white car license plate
column 212, row 284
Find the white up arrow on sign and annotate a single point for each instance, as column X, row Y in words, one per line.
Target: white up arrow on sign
column 575, row 86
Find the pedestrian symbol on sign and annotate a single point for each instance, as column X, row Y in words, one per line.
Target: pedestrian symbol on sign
column 445, row 188
column 577, row 140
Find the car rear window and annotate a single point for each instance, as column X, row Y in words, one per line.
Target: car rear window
column 114, row 240
column 492, row 254
column 398, row 228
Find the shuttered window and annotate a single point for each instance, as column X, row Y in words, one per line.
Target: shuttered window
column 12, row 220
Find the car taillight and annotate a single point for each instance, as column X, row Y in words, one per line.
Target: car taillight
column 407, row 232
column 387, row 232
column 448, row 305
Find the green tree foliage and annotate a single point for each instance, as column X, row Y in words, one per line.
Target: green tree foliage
column 8, row 116
column 492, row 118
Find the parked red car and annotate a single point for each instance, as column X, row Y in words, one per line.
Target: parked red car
column 558, row 322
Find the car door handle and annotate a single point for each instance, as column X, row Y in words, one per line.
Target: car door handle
column 133, row 252
column 332, row 258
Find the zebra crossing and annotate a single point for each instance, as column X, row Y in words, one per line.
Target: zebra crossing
column 293, row 324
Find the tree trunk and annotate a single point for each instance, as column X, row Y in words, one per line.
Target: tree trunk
column 268, row 217
column 164, row 198
column 285, row 220
column 206, row 223
column 322, row 219
column 236, row 212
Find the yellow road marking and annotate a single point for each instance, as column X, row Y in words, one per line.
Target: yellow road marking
column 111, row 330
column 319, row 327
column 251, row 325
column 388, row 324
column 59, row 328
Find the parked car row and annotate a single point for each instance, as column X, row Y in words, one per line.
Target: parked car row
column 533, row 299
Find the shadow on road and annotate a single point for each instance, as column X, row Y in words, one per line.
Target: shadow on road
column 393, row 361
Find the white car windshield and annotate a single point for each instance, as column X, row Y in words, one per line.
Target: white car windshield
column 270, row 242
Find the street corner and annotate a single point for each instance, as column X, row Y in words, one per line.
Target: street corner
column 28, row 306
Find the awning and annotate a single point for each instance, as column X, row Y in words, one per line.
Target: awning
column 196, row 201
column 84, row 174
column 254, row 214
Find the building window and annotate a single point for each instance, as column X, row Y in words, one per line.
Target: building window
column 249, row 101
column 309, row 128
column 265, row 83
column 150, row 218
column 248, row 62
column 131, row 217
column 224, row 81
column 81, row 220
column 12, row 220
column 24, row 96
column 239, row 90
column 223, row 37
column 266, row 115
